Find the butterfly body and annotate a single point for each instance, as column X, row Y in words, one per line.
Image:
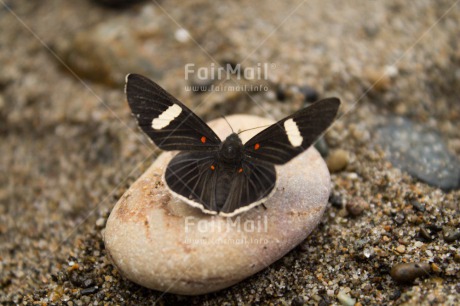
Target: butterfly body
column 231, row 150
column 222, row 172
column 222, row 177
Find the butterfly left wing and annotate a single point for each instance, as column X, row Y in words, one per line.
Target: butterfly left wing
column 284, row 140
column 168, row 122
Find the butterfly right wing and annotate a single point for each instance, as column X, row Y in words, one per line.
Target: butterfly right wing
column 168, row 122
column 282, row 141
column 249, row 187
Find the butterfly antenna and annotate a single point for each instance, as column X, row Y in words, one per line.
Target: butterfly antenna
column 257, row 127
column 228, row 123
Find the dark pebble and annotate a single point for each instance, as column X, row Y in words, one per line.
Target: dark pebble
column 336, row 201
column 451, row 236
column 396, row 295
column 230, row 66
column 371, row 30
column 324, row 302
column 281, row 93
column 89, row 290
column 399, row 219
column 418, row 206
column 61, row 277
column 322, row 147
column 200, row 85
column 361, row 243
column 457, row 257
column 76, row 279
column 310, row 94
column 408, row 272
column 420, row 151
column 88, row 282
column 298, row 301
column 434, row 227
column 425, row 234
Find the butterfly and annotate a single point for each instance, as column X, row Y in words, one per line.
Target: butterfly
column 222, row 177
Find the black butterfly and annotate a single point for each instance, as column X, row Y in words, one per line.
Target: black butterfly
column 228, row 177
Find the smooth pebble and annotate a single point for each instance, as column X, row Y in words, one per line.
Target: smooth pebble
column 408, row 272
column 419, row 150
column 310, row 94
column 345, row 299
column 337, row 160
column 162, row 243
column 356, row 206
column 451, row 235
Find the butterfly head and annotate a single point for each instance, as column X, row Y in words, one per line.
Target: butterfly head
column 231, row 149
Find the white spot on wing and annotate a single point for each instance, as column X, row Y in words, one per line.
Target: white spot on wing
column 126, row 81
column 166, row 117
column 293, row 133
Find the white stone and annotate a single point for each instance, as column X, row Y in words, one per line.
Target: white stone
column 162, row 243
column 182, row 35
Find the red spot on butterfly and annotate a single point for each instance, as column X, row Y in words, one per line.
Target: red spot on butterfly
column 240, row 170
column 256, row 146
column 212, row 167
column 203, row 139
